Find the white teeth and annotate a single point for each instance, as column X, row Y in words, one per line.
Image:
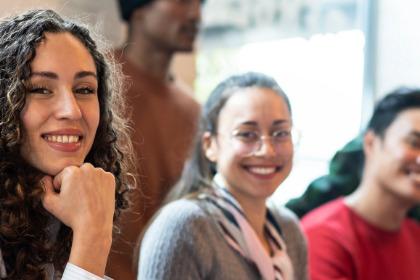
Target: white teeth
column 73, row 139
column 62, row 138
column 262, row 170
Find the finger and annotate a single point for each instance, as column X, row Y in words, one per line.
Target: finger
column 50, row 198
column 87, row 165
column 58, row 179
column 46, row 182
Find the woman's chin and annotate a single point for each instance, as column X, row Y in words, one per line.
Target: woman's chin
column 54, row 169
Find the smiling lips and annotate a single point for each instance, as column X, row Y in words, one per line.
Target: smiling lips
column 63, row 142
column 62, row 138
column 264, row 172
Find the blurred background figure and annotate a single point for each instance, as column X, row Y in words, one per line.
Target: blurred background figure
column 367, row 235
column 220, row 226
column 343, row 178
column 344, row 174
column 164, row 114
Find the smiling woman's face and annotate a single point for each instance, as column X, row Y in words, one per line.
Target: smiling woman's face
column 253, row 147
column 61, row 113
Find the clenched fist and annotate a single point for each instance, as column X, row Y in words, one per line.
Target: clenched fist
column 83, row 198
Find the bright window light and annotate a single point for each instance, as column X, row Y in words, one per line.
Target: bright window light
column 323, row 77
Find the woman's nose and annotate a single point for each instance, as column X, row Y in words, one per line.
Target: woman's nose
column 67, row 106
column 266, row 146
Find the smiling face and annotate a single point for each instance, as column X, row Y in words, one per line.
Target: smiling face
column 61, row 112
column 252, row 170
column 394, row 160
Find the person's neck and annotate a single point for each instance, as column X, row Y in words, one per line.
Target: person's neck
column 255, row 212
column 378, row 206
column 148, row 58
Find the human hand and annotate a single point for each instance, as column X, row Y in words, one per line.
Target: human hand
column 83, row 198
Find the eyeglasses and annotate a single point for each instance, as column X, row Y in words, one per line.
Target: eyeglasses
column 249, row 142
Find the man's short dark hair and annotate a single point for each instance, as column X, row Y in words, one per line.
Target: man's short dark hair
column 128, row 6
column 388, row 108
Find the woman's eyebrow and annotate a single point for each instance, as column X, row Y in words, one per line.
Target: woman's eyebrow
column 275, row 122
column 45, row 74
column 83, row 74
column 249, row 123
column 281, row 121
column 52, row 75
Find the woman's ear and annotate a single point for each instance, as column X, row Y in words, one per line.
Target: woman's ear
column 209, row 146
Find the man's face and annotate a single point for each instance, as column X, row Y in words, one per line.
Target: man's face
column 170, row 24
column 395, row 158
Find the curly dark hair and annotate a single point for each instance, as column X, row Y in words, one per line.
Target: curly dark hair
column 25, row 237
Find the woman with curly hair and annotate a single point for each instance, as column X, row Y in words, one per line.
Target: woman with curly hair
column 64, row 150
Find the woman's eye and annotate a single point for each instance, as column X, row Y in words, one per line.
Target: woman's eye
column 85, row 90
column 247, row 136
column 281, row 134
column 38, row 90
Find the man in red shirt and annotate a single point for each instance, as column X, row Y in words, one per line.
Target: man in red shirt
column 366, row 235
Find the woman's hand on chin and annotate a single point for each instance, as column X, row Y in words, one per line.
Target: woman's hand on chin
column 83, row 198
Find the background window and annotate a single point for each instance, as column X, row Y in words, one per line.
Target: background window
column 314, row 49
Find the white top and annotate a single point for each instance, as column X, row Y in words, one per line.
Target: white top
column 73, row 272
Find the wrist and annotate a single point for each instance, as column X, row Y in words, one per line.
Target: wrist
column 90, row 250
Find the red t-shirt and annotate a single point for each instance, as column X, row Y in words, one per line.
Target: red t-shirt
column 342, row 245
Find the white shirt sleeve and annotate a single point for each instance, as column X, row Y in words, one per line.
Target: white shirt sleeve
column 2, row 267
column 73, row 272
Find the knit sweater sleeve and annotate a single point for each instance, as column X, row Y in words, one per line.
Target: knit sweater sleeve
column 175, row 245
column 294, row 239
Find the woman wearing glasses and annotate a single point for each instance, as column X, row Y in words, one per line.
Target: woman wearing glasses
column 219, row 227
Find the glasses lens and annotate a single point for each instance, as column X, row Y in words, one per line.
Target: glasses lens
column 249, row 142
column 245, row 141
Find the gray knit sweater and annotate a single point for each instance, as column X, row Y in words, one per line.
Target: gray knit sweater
column 184, row 242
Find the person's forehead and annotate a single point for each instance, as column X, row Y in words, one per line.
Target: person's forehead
column 254, row 97
column 407, row 121
column 59, row 48
column 256, row 104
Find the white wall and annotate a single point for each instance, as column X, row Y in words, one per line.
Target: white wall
column 398, row 45
column 102, row 15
